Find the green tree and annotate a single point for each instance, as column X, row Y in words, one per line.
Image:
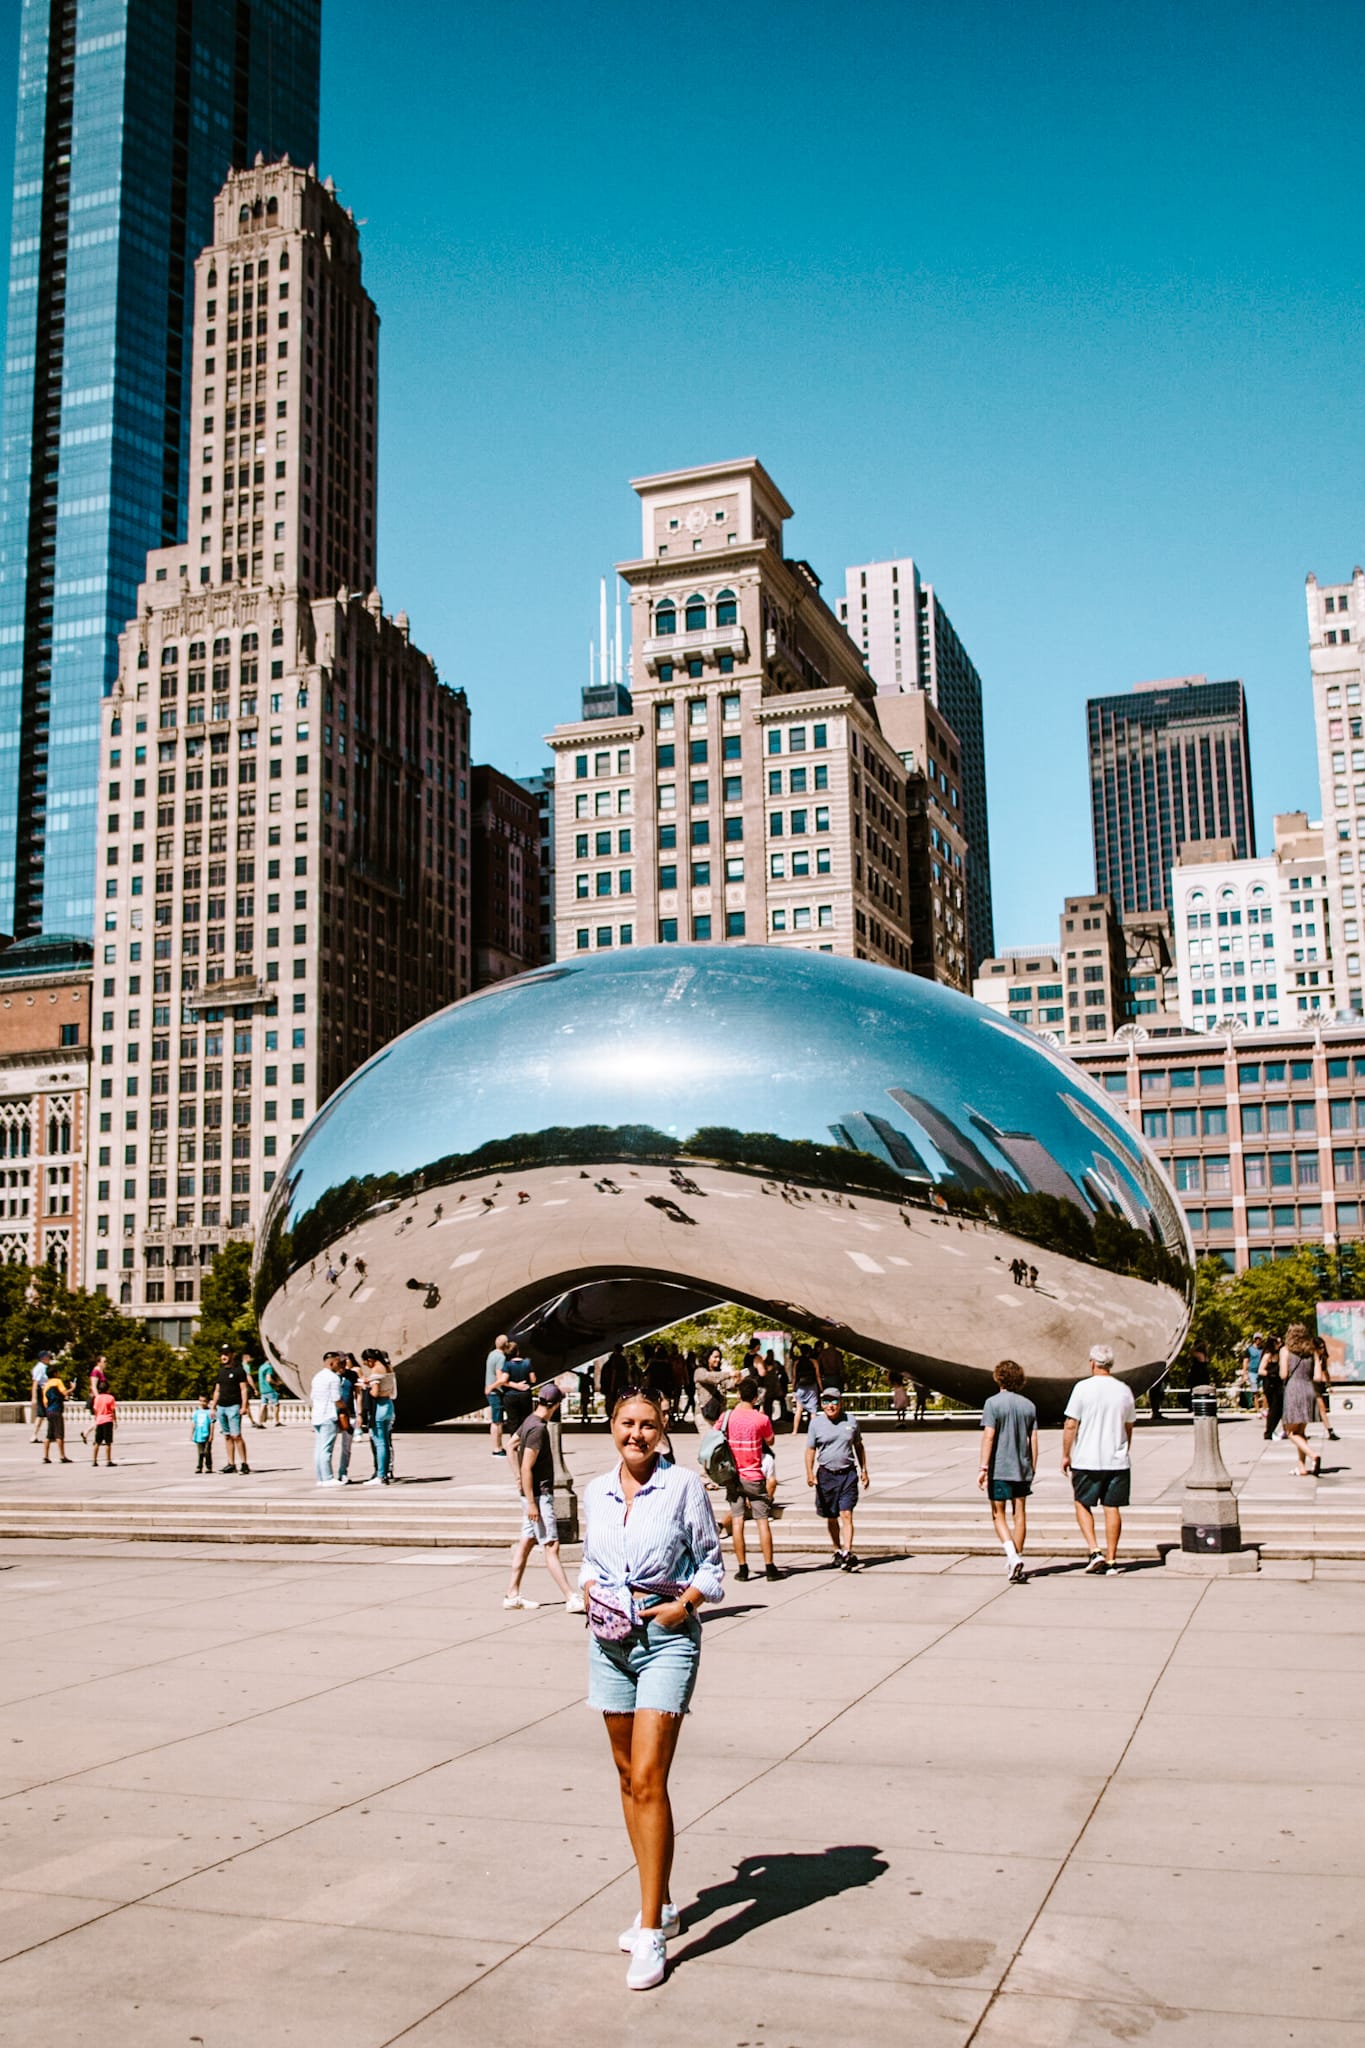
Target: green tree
column 226, row 1313
column 38, row 1312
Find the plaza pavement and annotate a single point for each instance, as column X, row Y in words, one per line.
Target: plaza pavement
column 338, row 1799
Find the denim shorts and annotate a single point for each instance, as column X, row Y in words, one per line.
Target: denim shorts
column 495, row 1405
column 654, row 1669
column 546, row 1529
column 230, row 1420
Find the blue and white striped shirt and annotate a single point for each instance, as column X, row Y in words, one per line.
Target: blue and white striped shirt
column 667, row 1542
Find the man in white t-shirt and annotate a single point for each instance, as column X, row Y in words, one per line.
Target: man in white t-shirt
column 324, row 1393
column 1096, row 1452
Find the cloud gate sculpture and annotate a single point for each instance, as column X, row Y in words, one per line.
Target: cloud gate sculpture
column 594, row 1150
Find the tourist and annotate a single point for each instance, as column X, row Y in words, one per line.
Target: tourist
column 1009, row 1458
column 201, row 1431
column 494, row 1380
column 382, row 1387
column 1272, row 1388
column 1300, row 1401
column 323, row 1393
column 42, row 1365
column 749, row 1434
column 517, row 1393
column 615, row 1373
column 805, row 1387
column 536, row 1475
column 56, row 1394
column 921, row 1394
column 714, row 1381
column 104, row 1410
column 232, row 1378
column 774, row 1403
column 1322, row 1387
column 268, row 1380
column 834, row 1459
column 900, row 1399
column 651, row 1558
column 1096, row 1452
column 348, row 1372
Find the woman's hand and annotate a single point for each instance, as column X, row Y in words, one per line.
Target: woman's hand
column 670, row 1614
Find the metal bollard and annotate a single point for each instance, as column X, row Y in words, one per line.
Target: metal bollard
column 1210, row 1526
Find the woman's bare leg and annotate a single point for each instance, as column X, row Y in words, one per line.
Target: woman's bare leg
column 642, row 1747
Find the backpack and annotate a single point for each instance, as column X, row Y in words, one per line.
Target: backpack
column 717, row 1460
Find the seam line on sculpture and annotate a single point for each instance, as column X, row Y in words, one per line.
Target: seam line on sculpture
column 1064, row 1862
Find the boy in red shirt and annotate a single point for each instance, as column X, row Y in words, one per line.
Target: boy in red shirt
column 104, row 1409
column 749, row 1434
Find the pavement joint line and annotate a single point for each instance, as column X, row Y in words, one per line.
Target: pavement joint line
column 774, row 1764
column 1063, row 1861
column 180, row 1656
column 251, row 1848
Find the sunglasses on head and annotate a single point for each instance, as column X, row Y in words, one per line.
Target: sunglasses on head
column 640, row 1394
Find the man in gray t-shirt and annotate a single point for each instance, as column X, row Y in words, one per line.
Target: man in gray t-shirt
column 1009, row 1453
column 834, row 1459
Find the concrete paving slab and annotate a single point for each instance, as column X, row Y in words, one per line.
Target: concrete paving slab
column 1196, row 1746
column 30, row 1919
column 1066, row 1736
column 1225, row 1824
column 161, row 1978
column 543, row 1994
column 1131, row 1934
column 314, row 1768
column 1018, row 2022
column 78, row 1839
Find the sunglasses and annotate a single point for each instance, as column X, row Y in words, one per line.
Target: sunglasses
column 640, row 1394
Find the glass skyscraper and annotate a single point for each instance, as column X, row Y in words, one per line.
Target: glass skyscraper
column 131, row 113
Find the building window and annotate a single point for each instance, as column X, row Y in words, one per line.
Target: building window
column 668, row 931
column 734, row 924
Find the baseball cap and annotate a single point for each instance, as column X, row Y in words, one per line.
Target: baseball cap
column 831, row 1393
column 549, row 1393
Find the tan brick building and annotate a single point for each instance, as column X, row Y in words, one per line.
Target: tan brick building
column 750, row 792
column 284, row 869
column 44, row 1096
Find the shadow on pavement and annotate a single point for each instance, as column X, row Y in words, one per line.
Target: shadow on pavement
column 770, row 1887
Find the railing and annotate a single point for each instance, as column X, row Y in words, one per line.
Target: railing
column 79, row 1415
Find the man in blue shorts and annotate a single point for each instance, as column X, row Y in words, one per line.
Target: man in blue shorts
column 1009, row 1456
column 834, row 1460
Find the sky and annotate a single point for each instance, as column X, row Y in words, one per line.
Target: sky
column 1058, row 299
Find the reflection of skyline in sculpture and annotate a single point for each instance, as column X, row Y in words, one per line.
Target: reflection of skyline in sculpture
column 538, row 1132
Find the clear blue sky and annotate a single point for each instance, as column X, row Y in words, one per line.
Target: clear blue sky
column 1062, row 300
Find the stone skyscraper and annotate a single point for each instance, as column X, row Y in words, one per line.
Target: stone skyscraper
column 131, row 113
column 283, row 880
column 749, row 792
column 1336, row 644
column 1169, row 762
column 907, row 642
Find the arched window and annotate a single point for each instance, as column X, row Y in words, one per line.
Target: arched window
column 1197, row 896
column 255, row 209
column 1227, row 895
column 213, row 279
column 284, row 260
column 1257, row 893
column 694, row 617
column 666, row 618
column 272, row 205
column 727, row 611
column 243, row 214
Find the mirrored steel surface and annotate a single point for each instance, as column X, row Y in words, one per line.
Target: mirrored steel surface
column 592, row 1151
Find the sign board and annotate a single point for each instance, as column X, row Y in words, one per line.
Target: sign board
column 1341, row 1325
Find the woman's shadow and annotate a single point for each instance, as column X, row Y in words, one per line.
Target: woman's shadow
column 769, row 1887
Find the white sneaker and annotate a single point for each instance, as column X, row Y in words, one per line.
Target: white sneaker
column 575, row 1604
column 648, row 1960
column 519, row 1600
column 669, row 1918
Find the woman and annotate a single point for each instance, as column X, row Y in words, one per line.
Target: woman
column 651, row 1558
column 806, row 1384
column 1300, row 1399
column 1322, row 1387
column 382, row 1388
column 900, row 1399
column 1271, row 1386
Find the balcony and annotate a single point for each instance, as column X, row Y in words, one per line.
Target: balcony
column 709, row 645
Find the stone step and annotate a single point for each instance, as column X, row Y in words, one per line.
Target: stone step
column 925, row 1530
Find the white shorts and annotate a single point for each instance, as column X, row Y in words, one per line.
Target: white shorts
column 545, row 1529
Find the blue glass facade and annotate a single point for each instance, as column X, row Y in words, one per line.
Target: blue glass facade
column 131, row 113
